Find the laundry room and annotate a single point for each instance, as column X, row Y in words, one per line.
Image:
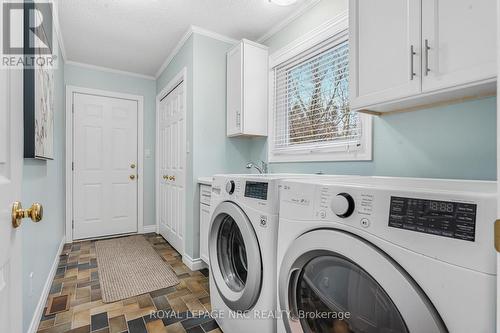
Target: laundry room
column 335, row 171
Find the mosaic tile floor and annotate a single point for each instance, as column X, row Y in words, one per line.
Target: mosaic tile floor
column 74, row 304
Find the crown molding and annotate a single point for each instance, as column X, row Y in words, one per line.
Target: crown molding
column 109, row 70
column 174, row 52
column 328, row 29
column 190, row 31
column 57, row 28
column 289, row 19
column 214, row 35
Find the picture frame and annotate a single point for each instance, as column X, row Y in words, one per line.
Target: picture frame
column 38, row 102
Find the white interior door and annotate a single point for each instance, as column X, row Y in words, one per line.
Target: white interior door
column 11, row 166
column 497, row 223
column 172, row 166
column 105, row 148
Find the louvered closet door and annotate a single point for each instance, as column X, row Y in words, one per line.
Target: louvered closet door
column 172, row 167
column 105, row 166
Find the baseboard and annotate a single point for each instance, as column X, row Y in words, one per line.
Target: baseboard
column 193, row 264
column 150, row 228
column 45, row 292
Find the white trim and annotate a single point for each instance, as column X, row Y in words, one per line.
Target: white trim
column 70, row 90
column 192, row 30
column 337, row 26
column 109, row 70
column 37, row 315
column 193, row 264
column 326, row 30
column 57, row 28
column 333, row 154
column 289, row 19
column 150, row 228
column 180, row 77
column 214, row 35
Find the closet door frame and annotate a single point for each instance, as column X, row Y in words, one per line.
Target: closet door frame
column 70, row 91
column 181, row 77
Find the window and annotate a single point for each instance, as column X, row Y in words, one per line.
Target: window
column 312, row 119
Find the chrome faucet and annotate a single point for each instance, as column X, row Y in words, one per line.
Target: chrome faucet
column 262, row 169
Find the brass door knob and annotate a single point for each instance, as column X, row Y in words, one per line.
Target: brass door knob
column 171, row 178
column 132, row 177
column 165, row 177
column 35, row 212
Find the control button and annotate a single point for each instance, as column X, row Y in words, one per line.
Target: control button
column 230, row 185
column 322, row 214
column 343, row 205
column 365, row 223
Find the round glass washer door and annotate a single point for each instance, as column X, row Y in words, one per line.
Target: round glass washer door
column 332, row 281
column 235, row 259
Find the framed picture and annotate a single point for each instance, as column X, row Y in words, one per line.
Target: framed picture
column 39, row 106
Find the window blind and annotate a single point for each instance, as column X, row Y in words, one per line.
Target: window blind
column 311, row 101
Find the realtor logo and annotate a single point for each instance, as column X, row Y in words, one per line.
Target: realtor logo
column 27, row 37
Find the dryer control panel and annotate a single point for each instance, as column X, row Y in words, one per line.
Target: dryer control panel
column 441, row 218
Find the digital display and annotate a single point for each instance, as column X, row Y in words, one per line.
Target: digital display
column 256, row 190
column 441, row 218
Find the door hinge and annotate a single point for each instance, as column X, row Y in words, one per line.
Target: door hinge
column 72, row 224
column 73, row 166
column 497, row 235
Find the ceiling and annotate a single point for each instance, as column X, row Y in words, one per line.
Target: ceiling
column 138, row 35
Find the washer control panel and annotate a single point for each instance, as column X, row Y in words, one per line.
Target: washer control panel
column 441, row 218
column 256, row 190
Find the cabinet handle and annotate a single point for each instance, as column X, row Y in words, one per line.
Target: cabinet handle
column 412, row 55
column 426, row 56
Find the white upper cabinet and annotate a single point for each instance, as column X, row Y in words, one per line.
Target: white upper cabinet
column 461, row 42
column 247, row 89
column 384, row 50
column 411, row 53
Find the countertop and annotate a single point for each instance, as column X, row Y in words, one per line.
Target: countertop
column 205, row 180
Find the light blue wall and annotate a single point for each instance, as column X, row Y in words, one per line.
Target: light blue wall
column 455, row 141
column 184, row 59
column 313, row 18
column 211, row 151
column 95, row 79
column 43, row 181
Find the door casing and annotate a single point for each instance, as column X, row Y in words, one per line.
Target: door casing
column 70, row 91
column 181, row 77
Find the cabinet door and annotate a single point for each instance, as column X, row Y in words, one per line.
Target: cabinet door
column 461, row 39
column 204, row 225
column 234, row 90
column 255, row 89
column 385, row 50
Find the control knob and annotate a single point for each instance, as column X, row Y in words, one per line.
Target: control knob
column 343, row 205
column 230, row 186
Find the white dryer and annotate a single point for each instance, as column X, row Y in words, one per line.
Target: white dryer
column 243, row 237
column 387, row 255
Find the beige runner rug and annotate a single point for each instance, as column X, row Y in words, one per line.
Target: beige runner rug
column 130, row 266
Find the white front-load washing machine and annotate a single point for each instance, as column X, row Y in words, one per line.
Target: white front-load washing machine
column 243, row 236
column 387, row 255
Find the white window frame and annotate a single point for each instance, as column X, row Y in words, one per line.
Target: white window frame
column 337, row 30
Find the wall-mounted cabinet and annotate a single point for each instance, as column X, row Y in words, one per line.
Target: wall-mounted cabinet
column 422, row 52
column 247, row 77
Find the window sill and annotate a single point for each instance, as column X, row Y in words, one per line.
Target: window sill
column 320, row 157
